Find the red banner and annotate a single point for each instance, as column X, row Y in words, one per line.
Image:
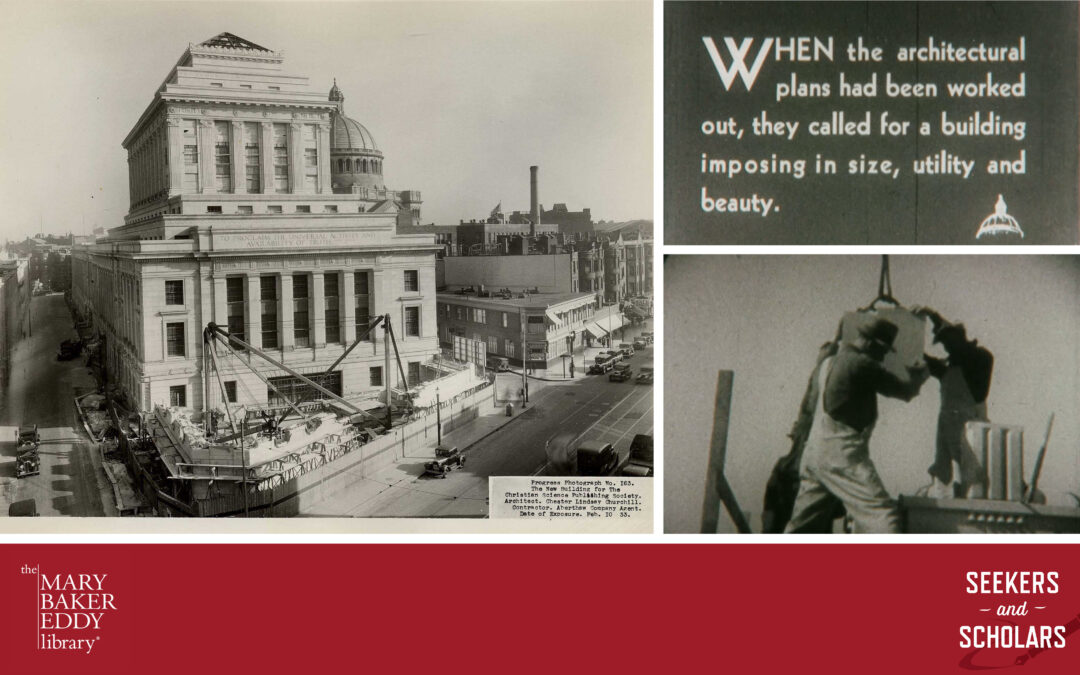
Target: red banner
column 847, row 608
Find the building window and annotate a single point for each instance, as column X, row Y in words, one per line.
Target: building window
column 174, row 339
column 174, row 292
column 234, row 298
column 330, row 208
column 479, row 316
column 412, row 322
column 333, row 322
column 216, row 210
column 281, row 157
column 268, row 299
column 535, row 324
column 178, row 396
column 273, row 208
column 413, row 373
column 230, row 391
column 293, row 388
column 191, row 156
column 493, row 344
column 362, row 301
column 303, row 209
column 505, row 320
column 375, row 376
column 301, row 323
column 222, row 157
column 252, row 158
column 244, row 210
column 268, row 288
column 311, row 158
column 412, row 281
column 508, row 347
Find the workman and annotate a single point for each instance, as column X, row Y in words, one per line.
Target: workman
column 965, row 383
column 836, row 460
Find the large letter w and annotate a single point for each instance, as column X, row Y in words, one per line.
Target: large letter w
column 738, row 60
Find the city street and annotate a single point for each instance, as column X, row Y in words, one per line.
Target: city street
column 592, row 407
column 40, row 391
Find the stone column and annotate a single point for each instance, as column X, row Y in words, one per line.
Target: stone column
column 253, row 316
column 221, row 305
column 379, row 300
column 176, row 156
column 318, row 310
column 323, row 131
column 348, row 308
column 296, row 158
column 236, row 147
column 266, row 155
column 207, row 179
column 285, row 312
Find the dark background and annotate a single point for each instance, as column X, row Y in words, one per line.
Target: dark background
column 842, row 209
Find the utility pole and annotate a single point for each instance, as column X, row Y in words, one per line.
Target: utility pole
column 524, row 364
column 438, row 416
column 386, row 369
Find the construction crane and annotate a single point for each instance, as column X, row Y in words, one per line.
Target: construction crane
column 213, row 333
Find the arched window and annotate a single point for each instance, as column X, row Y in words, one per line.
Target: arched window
column 365, row 166
column 357, row 169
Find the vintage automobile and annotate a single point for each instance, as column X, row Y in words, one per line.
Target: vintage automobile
column 621, row 373
column 601, row 367
column 645, row 376
column 446, row 460
column 627, row 349
column 23, row 508
column 498, row 363
column 640, row 342
column 69, row 349
column 596, row 458
column 27, row 461
column 640, row 462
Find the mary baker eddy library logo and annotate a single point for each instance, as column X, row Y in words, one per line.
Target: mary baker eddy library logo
column 71, row 609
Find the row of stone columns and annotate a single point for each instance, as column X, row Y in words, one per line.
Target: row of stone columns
column 285, row 318
column 207, row 157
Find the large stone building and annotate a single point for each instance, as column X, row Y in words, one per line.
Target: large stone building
column 258, row 205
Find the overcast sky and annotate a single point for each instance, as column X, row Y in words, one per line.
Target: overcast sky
column 461, row 98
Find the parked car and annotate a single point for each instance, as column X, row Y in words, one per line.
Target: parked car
column 27, row 461
column 446, row 460
column 601, row 367
column 627, row 349
column 499, row 364
column 645, row 376
column 595, row 458
column 607, row 356
column 69, row 349
column 621, row 373
column 640, row 343
column 640, row 462
column 25, row 507
column 648, row 336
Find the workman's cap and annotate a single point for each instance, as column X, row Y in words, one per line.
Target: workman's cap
column 877, row 329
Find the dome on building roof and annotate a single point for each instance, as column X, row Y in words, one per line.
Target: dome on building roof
column 347, row 134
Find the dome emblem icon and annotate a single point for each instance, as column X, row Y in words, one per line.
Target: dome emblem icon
column 999, row 222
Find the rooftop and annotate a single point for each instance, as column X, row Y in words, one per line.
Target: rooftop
column 532, row 300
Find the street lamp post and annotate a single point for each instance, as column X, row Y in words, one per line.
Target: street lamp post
column 438, row 415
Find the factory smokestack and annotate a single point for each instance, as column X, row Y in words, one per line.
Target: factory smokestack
column 534, row 200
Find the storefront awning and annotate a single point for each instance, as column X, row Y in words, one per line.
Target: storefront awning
column 612, row 322
column 595, row 331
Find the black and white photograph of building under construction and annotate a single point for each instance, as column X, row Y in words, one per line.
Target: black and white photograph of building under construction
column 872, row 394
column 335, row 260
